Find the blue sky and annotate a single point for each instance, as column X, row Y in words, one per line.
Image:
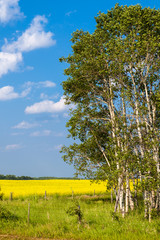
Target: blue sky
column 34, row 35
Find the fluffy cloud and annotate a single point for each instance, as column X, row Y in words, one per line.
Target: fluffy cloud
column 25, row 92
column 44, row 84
column 47, row 84
column 41, row 133
column 34, row 37
column 25, row 125
column 47, row 106
column 45, row 96
column 13, row 147
column 9, row 9
column 9, row 62
column 8, row 93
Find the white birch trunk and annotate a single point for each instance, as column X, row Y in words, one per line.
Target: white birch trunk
column 131, row 203
column 127, row 192
column 146, row 204
column 117, row 143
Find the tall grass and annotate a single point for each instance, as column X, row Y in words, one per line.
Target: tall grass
column 49, row 219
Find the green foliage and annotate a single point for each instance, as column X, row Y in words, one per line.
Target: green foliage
column 1, row 196
column 75, row 210
column 114, row 216
column 6, row 214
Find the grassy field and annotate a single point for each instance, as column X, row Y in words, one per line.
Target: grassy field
column 50, row 219
column 32, row 217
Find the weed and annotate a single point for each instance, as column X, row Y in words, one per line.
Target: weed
column 1, row 196
column 6, row 214
column 75, row 210
column 114, row 216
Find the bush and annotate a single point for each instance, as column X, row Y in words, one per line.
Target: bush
column 7, row 215
column 75, row 210
column 1, row 196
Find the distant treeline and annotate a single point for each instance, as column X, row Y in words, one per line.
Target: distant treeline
column 13, row 177
column 47, row 178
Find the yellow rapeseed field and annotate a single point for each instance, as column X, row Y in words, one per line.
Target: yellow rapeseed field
column 60, row 186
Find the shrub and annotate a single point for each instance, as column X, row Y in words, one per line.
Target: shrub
column 1, row 196
column 7, row 215
column 74, row 210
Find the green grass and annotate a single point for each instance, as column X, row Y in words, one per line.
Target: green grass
column 49, row 219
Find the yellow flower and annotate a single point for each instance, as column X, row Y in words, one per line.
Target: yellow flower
column 60, row 186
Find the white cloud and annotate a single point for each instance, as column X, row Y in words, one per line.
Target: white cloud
column 33, row 38
column 29, row 68
column 58, row 147
column 47, row 84
column 47, row 106
column 13, row 147
column 9, row 62
column 41, row 133
column 59, row 134
column 44, row 96
column 55, row 116
column 25, row 92
column 9, row 10
column 44, row 84
column 17, row 133
column 25, row 125
column 8, row 93
column 28, row 84
column 71, row 12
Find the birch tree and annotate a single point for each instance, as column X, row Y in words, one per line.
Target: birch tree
column 113, row 79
